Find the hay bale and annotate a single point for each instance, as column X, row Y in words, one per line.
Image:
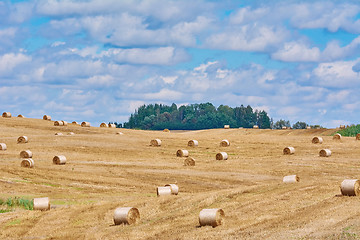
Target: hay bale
column 126, row 215
column 47, row 117
column 342, row 126
column 182, row 153
column 65, row 123
column 308, row 127
column 20, row 116
column 189, row 161
column 85, row 124
column 58, row 134
column 174, row 188
column 193, row 143
column 42, row 204
column 291, row 179
column 224, row 143
column 28, row 163
column 317, row 140
column 119, row 133
column 70, row 133
column 59, row 160
column 112, row 125
column 289, row 150
column 350, row 187
column 325, row 153
column 163, row 191
column 358, row 136
column 226, row 126
column 22, row 139
column 211, row 217
column 6, row 115
column 58, row 123
column 255, row 127
column 337, row 136
column 26, row 154
column 75, row 123
column 3, row 146
column 166, row 130
column 103, row 125
column 283, row 127
column 155, row 142
column 222, row 156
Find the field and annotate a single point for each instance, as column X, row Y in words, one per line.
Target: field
column 105, row 171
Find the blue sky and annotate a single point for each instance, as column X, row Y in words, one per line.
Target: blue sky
column 98, row 60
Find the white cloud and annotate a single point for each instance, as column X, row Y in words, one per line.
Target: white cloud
column 297, row 52
column 11, row 60
column 164, row 94
column 169, row 79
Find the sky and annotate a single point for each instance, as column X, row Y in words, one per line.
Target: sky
column 99, row 60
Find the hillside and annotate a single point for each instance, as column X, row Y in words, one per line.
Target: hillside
column 105, row 171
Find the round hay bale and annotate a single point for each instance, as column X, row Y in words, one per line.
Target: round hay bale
column 23, row 139
column 70, row 133
column 226, row 126
column 222, row 156
column 59, row 160
column 112, row 125
column 283, row 127
column 103, row 125
column 75, row 123
column 189, row 161
column 174, row 188
column 291, row 179
column 182, row 153
column 255, row 127
column 289, row 150
column 155, row 142
column 337, row 136
column 166, row 130
column 358, row 136
column 350, row 187
column 26, row 154
column 28, row 163
column 6, row 115
column 58, row 123
column 193, row 143
column 59, row 134
column 163, row 191
column 47, row 117
column 42, row 204
column 20, row 116
column 126, row 215
column 308, row 127
column 65, row 123
column 85, row 124
column 342, row 126
column 119, row 133
column 317, row 140
column 3, row 146
column 224, row 143
column 211, row 217
column 325, row 153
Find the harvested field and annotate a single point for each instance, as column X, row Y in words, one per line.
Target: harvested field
column 107, row 172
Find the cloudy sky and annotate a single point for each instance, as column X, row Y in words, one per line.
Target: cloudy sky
column 98, row 60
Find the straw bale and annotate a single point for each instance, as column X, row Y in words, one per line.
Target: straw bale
column 316, row 140
column 289, row 150
column 337, row 136
column 189, row 161
column 20, row 116
column 182, row 153
column 28, row 163
column 283, row 127
column 22, row 139
column 166, row 130
column 65, row 123
column 193, row 143
column 59, row 134
column 358, row 136
column 26, row 154
column 224, row 143
column 85, row 124
column 226, row 126
column 70, row 133
column 174, row 188
column 222, row 156
column 308, row 127
column 342, row 126
column 291, row 179
column 42, row 204
column 112, row 125
column 163, row 191
column 6, row 115
column 58, row 123
column 256, row 127
column 350, row 187
column 59, row 160
column 103, row 125
column 211, row 217
column 75, row 123
column 47, row 117
column 126, row 215
column 3, row 146
column 119, row 133
column 155, row 142
column 325, row 153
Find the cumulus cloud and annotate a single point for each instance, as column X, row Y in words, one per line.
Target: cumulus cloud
column 11, row 60
column 297, row 52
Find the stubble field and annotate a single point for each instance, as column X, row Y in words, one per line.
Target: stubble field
column 105, row 171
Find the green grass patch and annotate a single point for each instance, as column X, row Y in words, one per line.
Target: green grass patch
column 14, row 202
column 350, row 131
column 14, row 222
